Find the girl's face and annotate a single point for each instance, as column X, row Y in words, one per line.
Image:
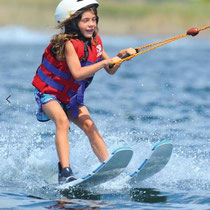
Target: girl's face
column 87, row 24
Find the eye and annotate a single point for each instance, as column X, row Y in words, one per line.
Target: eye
column 85, row 20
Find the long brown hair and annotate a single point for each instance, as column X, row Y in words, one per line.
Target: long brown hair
column 71, row 31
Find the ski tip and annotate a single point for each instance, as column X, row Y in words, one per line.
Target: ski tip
column 164, row 142
column 121, row 149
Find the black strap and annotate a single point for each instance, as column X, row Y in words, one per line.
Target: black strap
column 86, row 52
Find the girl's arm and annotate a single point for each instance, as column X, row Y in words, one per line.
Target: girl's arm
column 115, row 59
column 79, row 72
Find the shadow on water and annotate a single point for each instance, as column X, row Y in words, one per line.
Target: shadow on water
column 85, row 199
column 71, row 199
column 80, row 194
column 147, row 195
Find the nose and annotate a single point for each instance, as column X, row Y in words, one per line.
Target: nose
column 92, row 23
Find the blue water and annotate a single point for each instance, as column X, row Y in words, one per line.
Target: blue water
column 163, row 94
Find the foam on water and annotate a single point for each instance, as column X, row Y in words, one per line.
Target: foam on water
column 28, row 156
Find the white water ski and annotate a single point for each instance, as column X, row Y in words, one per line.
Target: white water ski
column 158, row 159
column 108, row 170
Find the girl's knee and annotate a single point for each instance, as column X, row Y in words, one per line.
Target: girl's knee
column 89, row 126
column 63, row 123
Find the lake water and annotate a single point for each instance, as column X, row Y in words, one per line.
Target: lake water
column 160, row 95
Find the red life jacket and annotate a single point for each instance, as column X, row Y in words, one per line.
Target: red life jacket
column 54, row 77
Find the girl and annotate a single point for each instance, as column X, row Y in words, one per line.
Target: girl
column 67, row 68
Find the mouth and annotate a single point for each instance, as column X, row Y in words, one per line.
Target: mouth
column 90, row 31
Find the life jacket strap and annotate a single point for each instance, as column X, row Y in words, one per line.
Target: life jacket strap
column 54, row 70
column 49, row 81
column 78, row 99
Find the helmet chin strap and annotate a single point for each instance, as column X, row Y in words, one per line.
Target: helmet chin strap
column 62, row 30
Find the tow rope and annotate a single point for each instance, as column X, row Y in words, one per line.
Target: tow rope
column 191, row 31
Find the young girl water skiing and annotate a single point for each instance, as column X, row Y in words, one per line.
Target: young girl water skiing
column 67, row 68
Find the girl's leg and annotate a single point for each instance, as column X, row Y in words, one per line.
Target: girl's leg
column 56, row 113
column 88, row 126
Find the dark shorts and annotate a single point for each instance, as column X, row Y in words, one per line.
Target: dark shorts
column 43, row 99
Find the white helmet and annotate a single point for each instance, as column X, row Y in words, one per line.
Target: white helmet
column 68, row 7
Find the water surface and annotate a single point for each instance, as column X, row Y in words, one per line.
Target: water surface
column 160, row 95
